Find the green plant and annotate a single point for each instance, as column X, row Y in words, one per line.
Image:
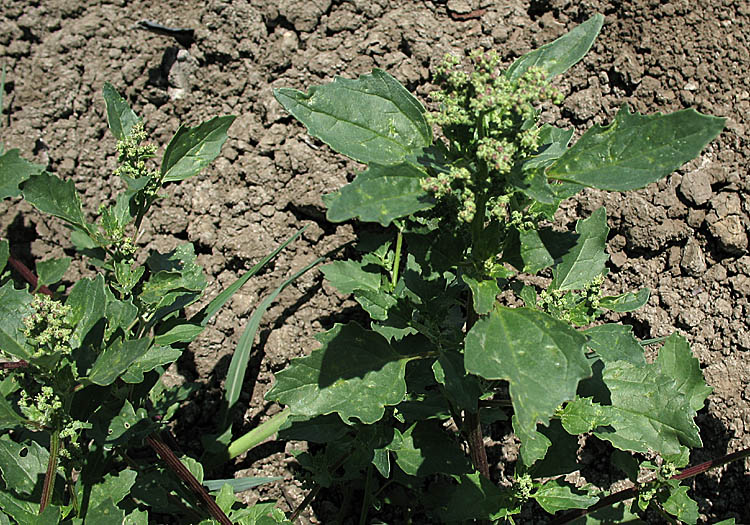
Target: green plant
column 81, row 388
column 401, row 400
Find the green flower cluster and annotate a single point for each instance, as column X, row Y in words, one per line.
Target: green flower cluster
column 579, row 307
column 132, row 156
column 490, row 118
column 48, row 328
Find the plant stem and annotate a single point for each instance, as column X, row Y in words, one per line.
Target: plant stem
column 632, row 492
column 173, row 462
column 49, row 476
column 305, row 502
column 28, row 275
column 472, row 423
column 397, row 259
column 73, row 493
column 366, row 497
column 258, row 434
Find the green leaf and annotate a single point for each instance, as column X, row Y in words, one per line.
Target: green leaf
column 582, row 415
column 14, row 306
column 355, row 373
column 534, row 253
column 119, row 115
column 615, row 342
column 88, row 303
column 554, row 143
column 372, row 119
column 207, row 312
column 380, row 194
column 474, row 497
column 460, row 388
column 425, row 449
column 113, row 486
column 676, row 360
column 22, row 464
column 561, row 456
column 192, row 149
column 49, row 194
column 182, row 333
column 20, row 510
column 225, row 498
column 534, row 444
column 375, row 303
column 51, row 270
column 618, row 513
column 4, row 253
column 635, row 150
column 483, row 293
column 9, row 418
column 542, row 359
column 681, row 506
column 13, row 171
column 155, row 356
column 105, row 512
column 626, row 302
column 115, row 359
column 173, row 274
column 347, row 276
column 557, row 495
column 587, row 259
column 238, row 364
column 556, row 57
column 239, row 484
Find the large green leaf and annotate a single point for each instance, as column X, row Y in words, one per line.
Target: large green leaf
column 114, row 486
column 587, row 259
column 483, row 293
column 21, row 510
column 14, row 306
column 372, row 119
column 615, row 342
column 347, row 276
column 626, row 302
column 356, row 373
column 9, row 418
column 51, row 270
column 542, row 359
column 155, row 356
column 22, row 464
column 13, row 171
column 49, row 194
column 115, row 359
column 556, row 57
column 635, row 150
column 119, row 115
column 192, row 149
column 380, row 194
column 652, row 405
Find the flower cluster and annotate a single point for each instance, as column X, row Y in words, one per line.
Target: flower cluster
column 497, row 115
column 132, row 156
column 48, row 328
column 580, row 307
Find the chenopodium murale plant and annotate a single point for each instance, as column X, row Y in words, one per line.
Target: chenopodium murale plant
column 405, row 401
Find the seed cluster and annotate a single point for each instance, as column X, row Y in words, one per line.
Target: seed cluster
column 48, row 329
column 488, row 118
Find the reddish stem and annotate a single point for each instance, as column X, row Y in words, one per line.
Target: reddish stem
column 28, row 275
column 11, row 365
column 632, row 492
column 185, row 475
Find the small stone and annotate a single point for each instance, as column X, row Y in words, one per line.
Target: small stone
column 691, row 317
column 460, row 7
column 696, row 187
column 693, row 261
column 716, row 273
column 730, row 233
column 740, row 284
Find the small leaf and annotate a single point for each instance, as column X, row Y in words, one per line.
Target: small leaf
column 356, row 373
column 182, row 333
column 557, row 495
column 556, row 57
column 347, row 276
column 13, row 171
column 88, row 303
column 105, row 511
column 51, row 270
column 119, row 115
column 587, row 259
column 114, row 486
column 4, row 253
column 615, row 342
column 49, row 194
column 636, row 150
column 380, row 194
column 9, row 418
column 22, row 464
column 173, row 273
column 681, row 506
column 626, row 302
column 15, row 305
column 676, row 360
column 115, row 359
column 542, row 359
column 375, row 303
column 156, row 356
column 483, row 293
column 461, row 388
column 372, row 119
column 534, row 253
column 192, row 149
column 425, row 449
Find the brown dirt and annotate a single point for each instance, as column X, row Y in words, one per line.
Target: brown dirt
column 685, row 237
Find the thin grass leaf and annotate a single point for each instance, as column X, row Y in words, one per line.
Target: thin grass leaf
column 238, row 484
column 238, row 365
column 207, row 312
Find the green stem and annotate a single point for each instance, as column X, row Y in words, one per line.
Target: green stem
column 49, row 476
column 397, row 259
column 366, row 498
column 258, row 434
column 73, row 493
